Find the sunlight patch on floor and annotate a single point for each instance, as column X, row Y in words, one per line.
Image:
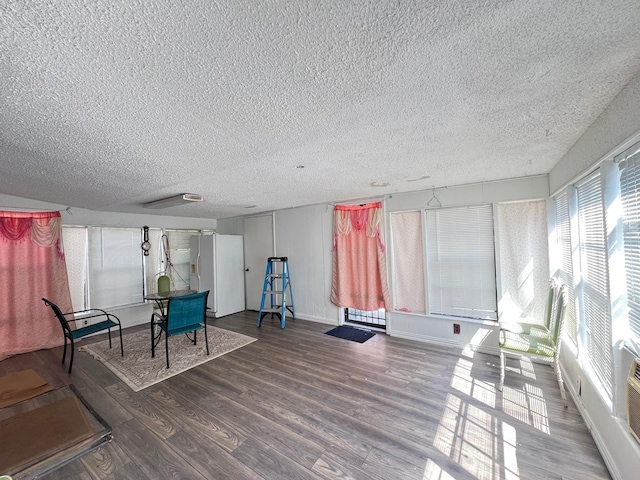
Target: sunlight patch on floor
column 434, row 472
column 509, row 451
column 527, row 405
column 463, row 382
column 524, row 368
column 470, row 437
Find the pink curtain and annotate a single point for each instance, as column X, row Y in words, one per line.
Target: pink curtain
column 32, row 266
column 359, row 263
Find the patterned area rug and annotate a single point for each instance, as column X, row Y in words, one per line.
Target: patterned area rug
column 138, row 370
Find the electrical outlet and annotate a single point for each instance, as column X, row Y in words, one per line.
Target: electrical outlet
column 85, row 322
column 456, row 329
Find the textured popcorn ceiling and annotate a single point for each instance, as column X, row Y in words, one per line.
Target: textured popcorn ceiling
column 107, row 105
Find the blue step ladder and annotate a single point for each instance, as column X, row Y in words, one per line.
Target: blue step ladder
column 275, row 285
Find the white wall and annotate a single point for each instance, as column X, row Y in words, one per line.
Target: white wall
column 613, row 131
column 474, row 334
column 305, row 236
column 231, row 226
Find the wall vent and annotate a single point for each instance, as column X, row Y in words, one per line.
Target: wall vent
column 633, row 399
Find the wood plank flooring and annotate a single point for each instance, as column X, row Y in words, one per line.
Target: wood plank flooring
column 299, row 404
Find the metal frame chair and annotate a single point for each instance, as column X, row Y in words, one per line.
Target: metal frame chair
column 107, row 324
column 185, row 314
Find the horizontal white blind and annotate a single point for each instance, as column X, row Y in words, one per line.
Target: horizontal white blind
column 630, row 193
column 565, row 274
column 595, row 280
column 116, row 274
column 460, row 262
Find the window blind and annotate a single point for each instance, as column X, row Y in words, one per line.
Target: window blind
column 630, row 193
column 460, row 262
column 116, row 273
column 595, row 280
column 565, row 274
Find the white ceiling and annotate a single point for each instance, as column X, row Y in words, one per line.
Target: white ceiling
column 108, row 105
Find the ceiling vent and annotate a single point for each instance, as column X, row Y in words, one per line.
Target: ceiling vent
column 175, row 201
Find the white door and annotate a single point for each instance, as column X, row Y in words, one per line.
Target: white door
column 229, row 265
column 258, row 246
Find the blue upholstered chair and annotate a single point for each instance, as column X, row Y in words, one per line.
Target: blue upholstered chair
column 107, row 322
column 185, row 314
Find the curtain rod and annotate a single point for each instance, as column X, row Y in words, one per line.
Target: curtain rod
column 9, row 209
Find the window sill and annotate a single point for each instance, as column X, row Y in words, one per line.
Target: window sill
column 475, row 321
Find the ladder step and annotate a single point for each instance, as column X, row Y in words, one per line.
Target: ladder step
column 287, row 301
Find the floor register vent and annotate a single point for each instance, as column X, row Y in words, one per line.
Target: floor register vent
column 633, row 399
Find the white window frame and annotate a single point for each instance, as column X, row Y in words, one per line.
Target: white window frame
column 461, row 262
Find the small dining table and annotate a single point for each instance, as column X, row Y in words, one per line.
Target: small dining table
column 160, row 297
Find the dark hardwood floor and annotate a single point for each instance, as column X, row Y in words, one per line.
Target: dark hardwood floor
column 301, row 404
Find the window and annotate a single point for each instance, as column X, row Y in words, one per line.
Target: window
column 460, row 262
column 116, row 273
column 177, row 257
column 594, row 279
column 106, row 267
column 565, row 272
column 630, row 193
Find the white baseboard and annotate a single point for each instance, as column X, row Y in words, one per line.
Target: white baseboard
column 602, row 446
column 311, row 318
column 446, row 342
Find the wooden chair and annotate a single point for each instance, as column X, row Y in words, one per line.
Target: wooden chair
column 109, row 321
column 543, row 327
column 185, row 314
column 538, row 344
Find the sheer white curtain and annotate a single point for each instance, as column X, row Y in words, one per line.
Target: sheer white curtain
column 408, row 262
column 524, row 254
column 75, row 248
